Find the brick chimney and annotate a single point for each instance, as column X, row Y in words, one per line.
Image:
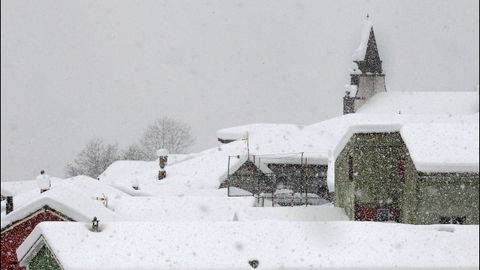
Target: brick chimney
column 162, row 160
column 9, row 205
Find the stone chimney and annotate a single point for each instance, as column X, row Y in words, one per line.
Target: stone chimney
column 162, row 160
column 9, row 205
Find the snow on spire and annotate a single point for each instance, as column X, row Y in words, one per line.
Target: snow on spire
column 359, row 54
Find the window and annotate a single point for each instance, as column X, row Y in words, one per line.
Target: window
column 453, row 220
column 350, row 168
column 401, row 170
column 383, row 214
column 354, row 79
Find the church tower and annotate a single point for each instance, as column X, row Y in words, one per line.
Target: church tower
column 366, row 77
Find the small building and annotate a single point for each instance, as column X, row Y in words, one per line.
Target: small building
column 57, row 204
column 415, row 173
column 267, row 175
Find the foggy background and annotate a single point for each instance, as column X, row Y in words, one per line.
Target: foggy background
column 74, row 70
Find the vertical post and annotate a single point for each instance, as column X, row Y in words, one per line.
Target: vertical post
column 258, row 188
column 274, row 183
column 302, row 173
column 228, row 177
column 9, row 205
column 248, row 148
column 306, row 184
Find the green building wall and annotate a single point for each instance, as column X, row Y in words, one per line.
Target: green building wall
column 422, row 198
column 446, row 195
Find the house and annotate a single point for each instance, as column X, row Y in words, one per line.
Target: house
column 305, row 178
column 238, row 245
column 417, row 173
column 60, row 203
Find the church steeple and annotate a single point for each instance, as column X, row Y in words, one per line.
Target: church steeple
column 366, row 56
column 366, row 78
column 371, row 62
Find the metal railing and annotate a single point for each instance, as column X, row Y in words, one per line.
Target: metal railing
column 287, row 189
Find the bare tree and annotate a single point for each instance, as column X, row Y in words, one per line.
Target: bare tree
column 95, row 157
column 166, row 133
column 134, row 152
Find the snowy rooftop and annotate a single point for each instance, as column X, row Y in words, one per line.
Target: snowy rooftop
column 64, row 199
column 451, row 147
column 201, row 173
column 180, row 208
column 276, row 245
column 26, row 191
column 12, row 188
column 422, row 103
column 259, row 129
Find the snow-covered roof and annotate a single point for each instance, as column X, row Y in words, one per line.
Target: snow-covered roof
column 215, row 207
column 259, row 129
column 162, row 152
column 364, row 128
column 82, row 184
column 284, row 143
column 465, row 102
column 351, row 90
column 204, row 171
column 64, row 199
column 325, row 212
column 359, row 53
column 275, row 244
column 447, row 147
column 12, row 188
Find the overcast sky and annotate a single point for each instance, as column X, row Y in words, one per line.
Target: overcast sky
column 74, row 70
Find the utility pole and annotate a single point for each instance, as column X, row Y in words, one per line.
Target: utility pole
column 248, row 148
column 228, row 177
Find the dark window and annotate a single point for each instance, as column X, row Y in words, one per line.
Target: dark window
column 452, row 220
column 354, row 79
column 401, row 170
column 383, row 214
column 350, row 168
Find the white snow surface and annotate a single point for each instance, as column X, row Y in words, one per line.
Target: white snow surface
column 180, row 208
column 359, row 53
column 275, row 244
column 392, row 102
column 43, row 181
column 12, row 188
column 351, row 90
column 66, row 200
column 259, row 129
column 451, row 147
column 162, row 152
column 325, row 212
column 84, row 185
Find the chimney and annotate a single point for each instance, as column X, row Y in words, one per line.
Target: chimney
column 95, row 224
column 162, row 159
column 9, row 205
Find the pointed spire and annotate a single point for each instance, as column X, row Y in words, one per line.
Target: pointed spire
column 366, row 55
